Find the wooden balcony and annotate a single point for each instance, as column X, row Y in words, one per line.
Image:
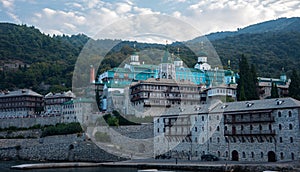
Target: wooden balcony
column 250, row 133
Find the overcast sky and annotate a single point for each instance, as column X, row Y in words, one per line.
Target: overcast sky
column 91, row 16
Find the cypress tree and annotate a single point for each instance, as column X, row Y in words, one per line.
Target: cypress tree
column 253, row 87
column 247, row 88
column 294, row 86
column 274, row 91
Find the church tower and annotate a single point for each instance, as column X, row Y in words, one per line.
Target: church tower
column 167, row 67
column 134, row 58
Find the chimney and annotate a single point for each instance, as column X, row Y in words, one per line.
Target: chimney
column 92, row 74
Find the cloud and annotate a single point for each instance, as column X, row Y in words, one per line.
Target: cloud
column 9, row 4
column 91, row 16
column 57, row 21
column 123, row 8
column 210, row 16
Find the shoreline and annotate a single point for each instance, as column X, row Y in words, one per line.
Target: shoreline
column 171, row 165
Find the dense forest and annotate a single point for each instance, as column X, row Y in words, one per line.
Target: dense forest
column 50, row 60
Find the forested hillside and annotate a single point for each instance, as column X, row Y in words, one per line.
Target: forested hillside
column 49, row 61
column 269, row 52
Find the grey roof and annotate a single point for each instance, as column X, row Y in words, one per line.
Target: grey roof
column 257, row 105
column 68, row 94
column 21, row 92
column 238, row 107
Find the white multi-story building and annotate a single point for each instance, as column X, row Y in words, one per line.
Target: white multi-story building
column 54, row 102
column 260, row 130
column 77, row 110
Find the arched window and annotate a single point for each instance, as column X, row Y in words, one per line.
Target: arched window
column 279, row 114
column 202, row 117
column 280, row 139
column 291, row 139
column 281, row 156
column 218, row 139
column 196, row 129
column 252, row 154
column 261, row 154
column 244, row 155
column 218, row 128
column 260, row 127
column 290, row 126
column 280, row 127
column 293, row 156
column 219, row 153
column 225, row 128
column 290, row 113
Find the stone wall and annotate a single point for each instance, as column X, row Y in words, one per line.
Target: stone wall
column 126, row 141
column 28, row 122
column 54, row 148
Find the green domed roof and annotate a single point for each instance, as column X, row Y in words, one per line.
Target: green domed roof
column 229, row 73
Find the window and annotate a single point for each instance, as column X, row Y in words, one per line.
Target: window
column 280, row 139
column 196, row 129
column 244, row 155
column 158, row 130
column 242, row 127
column 290, row 126
column 218, row 128
column 280, row 127
column 218, row 117
column 251, row 127
column 260, row 127
column 252, row 154
column 202, row 117
column 270, row 127
column 290, row 114
column 291, row 139
column 218, row 139
column 225, row 128
column 219, row 153
column 281, row 156
column 279, row 114
column 261, row 154
column 226, row 154
column 293, row 156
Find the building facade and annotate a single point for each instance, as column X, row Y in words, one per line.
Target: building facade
column 20, row 103
column 53, row 102
column 77, row 110
column 261, row 130
column 171, row 67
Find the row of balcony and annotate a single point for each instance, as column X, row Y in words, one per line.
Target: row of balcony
column 249, row 133
column 249, row 120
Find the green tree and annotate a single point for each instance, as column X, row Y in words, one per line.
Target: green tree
column 247, row 88
column 274, row 91
column 294, row 86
